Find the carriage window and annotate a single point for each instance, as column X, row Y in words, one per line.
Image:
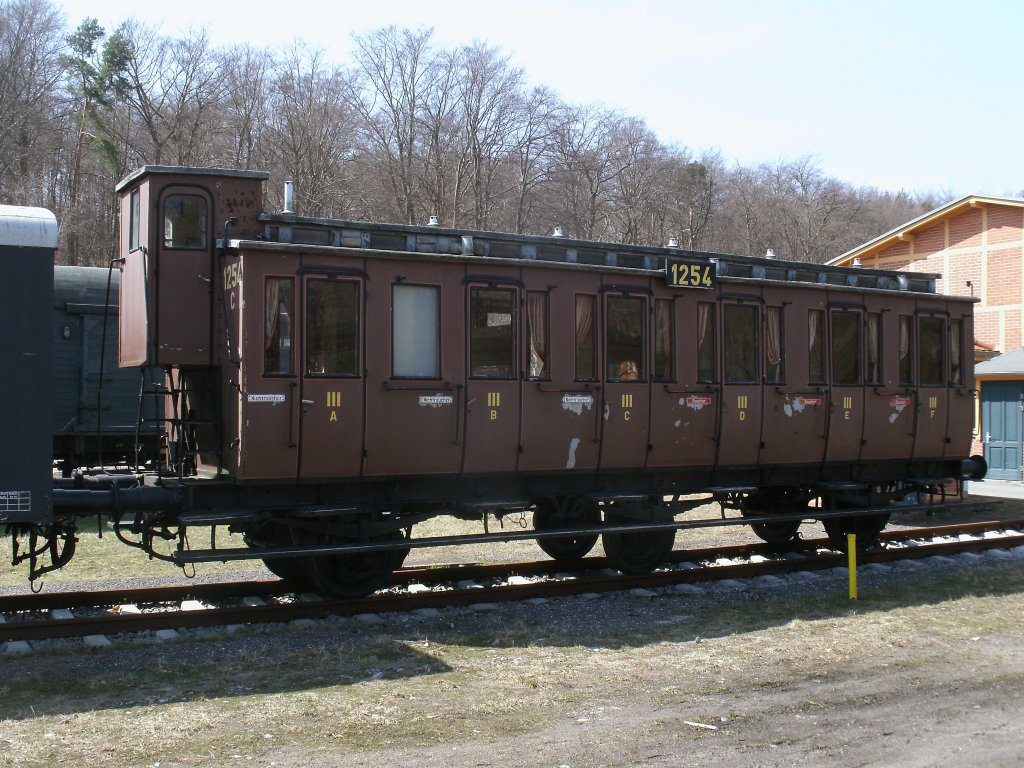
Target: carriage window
column 874, row 348
column 931, row 367
column 846, row 348
column 134, row 212
column 906, row 350
column 706, row 342
column 185, row 222
column 739, row 332
column 491, row 342
column 774, row 346
column 815, row 347
column 956, row 364
column 586, row 360
column 537, row 324
column 663, row 335
column 625, row 338
column 415, row 327
column 332, row 328
column 278, row 309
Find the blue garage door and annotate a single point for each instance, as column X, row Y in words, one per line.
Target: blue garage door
column 1001, row 420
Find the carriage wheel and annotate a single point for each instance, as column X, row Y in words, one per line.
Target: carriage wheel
column 865, row 527
column 636, row 552
column 355, row 574
column 775, row 501
column 578, row 512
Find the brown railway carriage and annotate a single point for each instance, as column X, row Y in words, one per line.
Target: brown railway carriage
column 331, row 383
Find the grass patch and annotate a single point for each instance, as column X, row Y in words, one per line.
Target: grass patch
column 345, row 688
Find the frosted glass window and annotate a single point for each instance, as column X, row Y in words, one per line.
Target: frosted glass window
column 415, row 326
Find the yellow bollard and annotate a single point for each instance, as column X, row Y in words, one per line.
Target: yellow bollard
column 851, row 555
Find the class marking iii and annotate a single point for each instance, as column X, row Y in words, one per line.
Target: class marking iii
column 933, row 402
column 627, row 401
column 494, row 399
column 334, row 399
column 741, row 403
column 847, row 403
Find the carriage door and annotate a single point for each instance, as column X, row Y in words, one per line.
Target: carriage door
column 890, row 397
column 795, row 397
column 492, row 384
column 561, row 395
column 846, row 397
column 740, row 417
column 183, row 277
column 627, row 372
column 331, row 385
column 933, row 392
column 415, row 368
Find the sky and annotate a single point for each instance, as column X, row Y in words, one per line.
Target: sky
column 924, row 97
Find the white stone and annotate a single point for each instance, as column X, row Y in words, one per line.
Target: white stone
column 253, row 601
column 61, row 614
column 194, row 605
column 519, row 581
column 419, row 589
column 96, row 641
column 13, row 647
column 163, row 635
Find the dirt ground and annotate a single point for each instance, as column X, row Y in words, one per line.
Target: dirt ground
column 925, row 669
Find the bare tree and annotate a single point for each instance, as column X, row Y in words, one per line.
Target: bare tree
column 34, row 115
column 313, row 131
column 397, row 70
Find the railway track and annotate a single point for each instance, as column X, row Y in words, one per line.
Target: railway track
column 166, row 609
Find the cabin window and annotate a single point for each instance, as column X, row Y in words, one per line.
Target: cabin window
column 846, row 348
column 332, row 328
column 906, row 350
column 586, row 359
column 815, row 347
column 931, row 367
column 739, row 331
column 491, row 341
column 625, row 338
column 134, row 223
column 663, row 341
column 278, row 310
column 956, row 362
column 185, row 222
column 706, row 342
column 537, row 333
column 415, row 331
column 774, row 346
column 874, row 341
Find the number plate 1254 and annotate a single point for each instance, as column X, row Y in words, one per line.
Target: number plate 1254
column 689, row 274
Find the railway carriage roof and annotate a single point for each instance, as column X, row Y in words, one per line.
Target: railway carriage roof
column 24, row 227
column 291, row 231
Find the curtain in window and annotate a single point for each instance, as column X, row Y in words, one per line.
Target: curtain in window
column 584, row 318
column 663, row 318
column 954, row 346
column 773, row 342
column 537, row 316
column 874, row 374
column 271, row 309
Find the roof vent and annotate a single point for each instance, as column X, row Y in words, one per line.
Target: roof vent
column 433, row 221
column 557, row 232
column 769, row 254
column 856, row 261
column 672, row 243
